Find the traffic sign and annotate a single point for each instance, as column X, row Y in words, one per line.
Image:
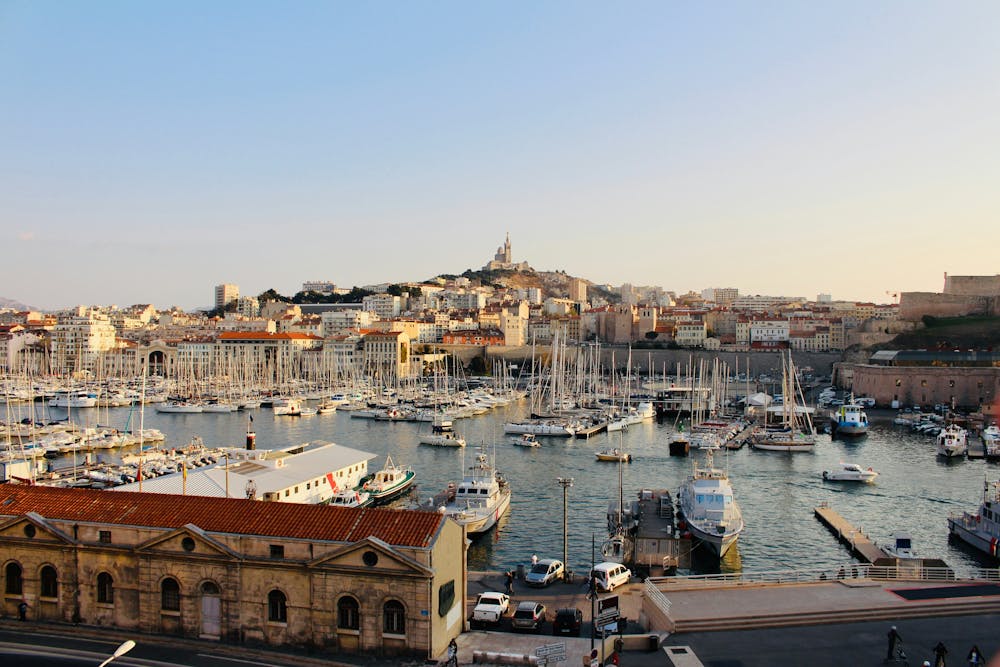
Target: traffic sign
column 610, row 602
column 551, row 650
column 606, row 617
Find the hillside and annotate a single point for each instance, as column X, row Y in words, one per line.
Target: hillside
column 952, row 333
column 552, row 283
column 16, row 305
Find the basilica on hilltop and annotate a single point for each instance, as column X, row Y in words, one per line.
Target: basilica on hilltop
column 503, row 260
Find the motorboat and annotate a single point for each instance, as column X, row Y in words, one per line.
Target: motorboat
column 710, row 511
column 850, row 472
column 613, row 454
column 991, row 442
column 326, row 408
column 982, row 529
column 388, row 483
column 443, row 439
column 180, row 407
column 73, row 399
column 849, row 419
column 288, row 407
column 951, row 442
column 526, row 440
column 481, row 498
column 350, row 498
column 901, row 547
column 556, row 428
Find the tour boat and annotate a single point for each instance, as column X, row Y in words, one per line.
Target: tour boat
column 481, row 498
column 849, row 419
column 982, row 529
column 710, row 511
column 951, row 442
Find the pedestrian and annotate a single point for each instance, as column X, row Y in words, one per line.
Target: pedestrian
column 452, row 652
column 894, row 639
column 939, row 653
column 975, row 656
column 592, row 588
column 22, row 610
column 510, row 582
column 534, row 560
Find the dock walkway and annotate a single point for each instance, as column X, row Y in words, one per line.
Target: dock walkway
column 848, row 534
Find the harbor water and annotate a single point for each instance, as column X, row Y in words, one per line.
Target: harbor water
column 914, row 493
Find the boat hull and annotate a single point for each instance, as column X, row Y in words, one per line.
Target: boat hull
column 964, row 529
column 481, row 522
column 393, row 492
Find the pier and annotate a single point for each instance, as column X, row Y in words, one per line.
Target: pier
column 861, row 546
column 591, row 430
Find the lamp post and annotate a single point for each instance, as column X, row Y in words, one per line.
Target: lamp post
column 592, row 593
column 565, row 483
column 126, row 646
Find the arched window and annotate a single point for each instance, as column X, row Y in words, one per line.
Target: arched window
column 170, row 595
column 15, row 582
column 277, row 611
column 49, row 582
column 209, row 588
column 394, row 618
column 105, row 588
column 348, row 617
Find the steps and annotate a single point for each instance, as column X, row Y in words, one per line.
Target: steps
column 783, row 620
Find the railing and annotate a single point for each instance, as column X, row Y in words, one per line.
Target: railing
column 812, row 575
column 656, row 596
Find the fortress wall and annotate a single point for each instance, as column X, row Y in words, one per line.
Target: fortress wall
column 966, row 387
column 914, row 305
column 972, row 285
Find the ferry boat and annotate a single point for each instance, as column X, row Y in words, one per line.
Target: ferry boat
column 849, row 419
column 982, row 529
column 481, row 498
column 991, row 442
column 709, row 509
column 951, row 442
column 388, row 483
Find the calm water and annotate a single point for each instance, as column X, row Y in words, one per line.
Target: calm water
column 914, row 493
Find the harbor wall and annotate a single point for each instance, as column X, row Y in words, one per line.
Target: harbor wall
column 914, row 305
column 759, row 362
column 921, row 385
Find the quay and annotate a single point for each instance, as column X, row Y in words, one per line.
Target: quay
column 738, row 440
column 861, row 546
column 592, row 430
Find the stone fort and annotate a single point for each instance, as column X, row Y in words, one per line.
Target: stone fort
column 962, row 295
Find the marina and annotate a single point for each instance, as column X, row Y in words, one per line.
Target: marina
column 916, row 490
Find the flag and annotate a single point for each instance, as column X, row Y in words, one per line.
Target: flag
column 251, row 419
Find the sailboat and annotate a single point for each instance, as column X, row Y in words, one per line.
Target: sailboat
column 796, row 432
column 618, row 548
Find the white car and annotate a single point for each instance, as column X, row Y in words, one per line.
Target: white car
column 490, row 607
column 544, row 572
column 610, row 576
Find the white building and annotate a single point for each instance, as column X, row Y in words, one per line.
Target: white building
column 385, row 306
column 346, row 319
column 78, row 342
column 226, row 294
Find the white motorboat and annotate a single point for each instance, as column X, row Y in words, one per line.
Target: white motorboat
column 556, row 428
column 443, row 439
column 526, row 440
column 482, row 497
column 951, row 442
column 849, row 419
column 982, row 529
column 288, row 407
column 180, row 407
column 901, row 547
column 350, row 498
column 73, row 399
column 709, row 509
column 613, row 454
column 991, row 442
column 850, row 472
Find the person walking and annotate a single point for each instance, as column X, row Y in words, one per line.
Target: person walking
column 939, row 653
column 975, row 657
column 534, row 560
column 22, row 610
column 894, row 640
column 510, row 582
column 452, row 653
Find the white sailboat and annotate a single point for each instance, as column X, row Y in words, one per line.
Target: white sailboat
column 796, row 432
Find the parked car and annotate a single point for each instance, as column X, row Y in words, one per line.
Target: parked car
column 490, row 608
column 610, row 575
column 568, row 621
column 528, row 616
column 544, row 572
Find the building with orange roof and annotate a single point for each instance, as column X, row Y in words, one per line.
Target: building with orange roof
column 334, row 580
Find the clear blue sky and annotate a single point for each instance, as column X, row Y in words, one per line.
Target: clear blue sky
column 151, row 150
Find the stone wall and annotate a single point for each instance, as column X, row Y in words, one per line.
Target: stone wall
column 972, row 285
column 914, row 305
column 968, row 388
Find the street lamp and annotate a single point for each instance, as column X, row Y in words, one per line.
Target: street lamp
column 126, row 646
column 565, row 483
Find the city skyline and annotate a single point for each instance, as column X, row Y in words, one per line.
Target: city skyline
column 152, row 151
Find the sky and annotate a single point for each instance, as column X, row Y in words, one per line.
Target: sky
column 151, row 150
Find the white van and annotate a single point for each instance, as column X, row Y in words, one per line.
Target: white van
column 610, row 576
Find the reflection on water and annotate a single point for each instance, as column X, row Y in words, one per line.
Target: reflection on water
column 777, row 491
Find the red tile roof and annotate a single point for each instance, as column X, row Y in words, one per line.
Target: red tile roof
column 408, row 528
column 263, row 335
